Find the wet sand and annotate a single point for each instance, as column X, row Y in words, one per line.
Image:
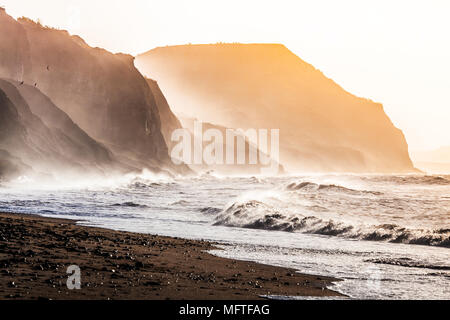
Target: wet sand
column 35, row 253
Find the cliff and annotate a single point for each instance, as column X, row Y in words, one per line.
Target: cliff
column 12, row 134
column 169, row 122
column 433, row 161
column 103, row 93
column 37, row 137
column 322, row 127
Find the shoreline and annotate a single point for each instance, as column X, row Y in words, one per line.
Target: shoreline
column 35, row 253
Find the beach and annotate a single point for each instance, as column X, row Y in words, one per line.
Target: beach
column 35, row 253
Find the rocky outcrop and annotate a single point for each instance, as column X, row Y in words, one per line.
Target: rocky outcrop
column 322, row 127
column 103, row 93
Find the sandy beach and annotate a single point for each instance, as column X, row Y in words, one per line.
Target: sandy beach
column 35, row 253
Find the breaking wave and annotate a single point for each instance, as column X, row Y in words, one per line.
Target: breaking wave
column 408, row 262
column 130, row 204
column 311, row 186
column 412, row 179
column 180, row 203
column 210, row 210
column 259, row 215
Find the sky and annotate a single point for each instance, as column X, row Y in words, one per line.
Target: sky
column 393, row 52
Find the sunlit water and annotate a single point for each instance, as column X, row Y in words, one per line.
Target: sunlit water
column 388, row 237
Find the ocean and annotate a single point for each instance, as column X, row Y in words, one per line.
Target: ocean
column 386, row 236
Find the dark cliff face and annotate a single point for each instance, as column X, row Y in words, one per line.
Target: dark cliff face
column 101, row 92
column 42, row 137
column 12, row 134
column 322, row 127
column 169, row 122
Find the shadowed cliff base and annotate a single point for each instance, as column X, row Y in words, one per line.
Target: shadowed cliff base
column 322, row 127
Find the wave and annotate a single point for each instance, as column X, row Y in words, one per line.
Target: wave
column 22, row 203
column 311, row 186
column 435, row 180
column 259, row 215
column 143, row 185
column 130, row 204
column 408, row 262
column 180, row 203
column 210, row 210
column 412, row 179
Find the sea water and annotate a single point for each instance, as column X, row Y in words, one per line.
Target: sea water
column 386, row 236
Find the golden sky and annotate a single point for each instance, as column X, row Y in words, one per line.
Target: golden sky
column 393, row 52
